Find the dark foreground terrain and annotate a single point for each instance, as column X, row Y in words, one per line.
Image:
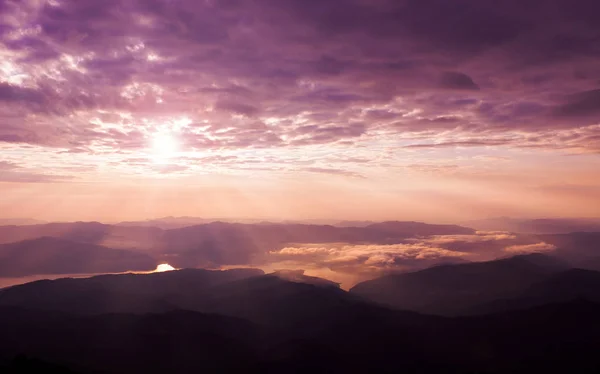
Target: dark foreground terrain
column 521, row 315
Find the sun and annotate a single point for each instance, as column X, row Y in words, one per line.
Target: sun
column 164, row 146
column 164, row 267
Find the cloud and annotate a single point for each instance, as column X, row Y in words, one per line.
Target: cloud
column 480, row 236
column 96, row 78
column 169, row 168
column 13, row 172
column 580, row 105
column 365, row 261
column 357, row 258
column 7, row 165
column 457, row 81
column 25, row 177
column 236, row 107
column 344, row 173
column 304, row 251
column 530, row 248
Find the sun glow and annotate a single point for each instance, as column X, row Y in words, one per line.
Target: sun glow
column 164, row 146
column 163, row 267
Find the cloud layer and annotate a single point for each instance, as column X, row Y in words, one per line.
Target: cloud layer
column 332, row 89
column 363, row 261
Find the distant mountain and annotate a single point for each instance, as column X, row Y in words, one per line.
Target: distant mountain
column 214, row 244
column 581, row 249
column 126, row 236
column 167, row 223
column 353, row 223
column 537, row 226
column 450, row 289
column 86, row 232
column 20, row 221
column 395, row 228
column 47, row 255
column 233, row 243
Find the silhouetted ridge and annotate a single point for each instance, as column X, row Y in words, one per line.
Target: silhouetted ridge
column 554, row 338
column 573, row 284
column 300, row 277
column 449, row 289
column 139, row 293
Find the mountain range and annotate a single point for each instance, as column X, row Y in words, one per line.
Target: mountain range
column 209, row 245
column 285, row 322
column 100, row 248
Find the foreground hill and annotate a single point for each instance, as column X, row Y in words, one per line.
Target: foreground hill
column 450, row 289
column 246, row 321
column 565, row 286
column 550, row 339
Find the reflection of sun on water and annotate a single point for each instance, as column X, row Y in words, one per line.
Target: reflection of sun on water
column 163, row 267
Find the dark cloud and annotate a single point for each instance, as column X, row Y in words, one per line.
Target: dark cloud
column 235, row 107
column 582, row 104
column 457, row 81
column 11, row 93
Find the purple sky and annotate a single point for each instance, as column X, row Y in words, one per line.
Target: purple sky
column 375, row 109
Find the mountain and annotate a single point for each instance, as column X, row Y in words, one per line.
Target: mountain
column 353, row 223
column 272, row 299
column 450, row 289
column 268, row 299
column 150, row 237
column 298, row 276
column 174, row 342
column 47, row 255
column 554, row 338
column 86, row 232
column 20, row 221
column 139, row 293
column 581, row 249
column 537, row 226
column 565, row 286
column 411, row 229
column 243, row 320
column 167, row 223
column 235, row 243
column 216, row 244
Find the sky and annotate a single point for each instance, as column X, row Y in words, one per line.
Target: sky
column 430, row 110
